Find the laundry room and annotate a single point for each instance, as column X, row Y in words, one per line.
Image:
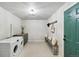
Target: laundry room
column 35, row 29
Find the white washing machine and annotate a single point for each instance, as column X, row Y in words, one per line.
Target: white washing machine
column 21, row 42
column 9, row 47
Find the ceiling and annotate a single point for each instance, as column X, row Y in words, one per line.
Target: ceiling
column 44, row 10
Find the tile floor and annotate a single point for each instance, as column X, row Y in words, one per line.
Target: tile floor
column 36, row 49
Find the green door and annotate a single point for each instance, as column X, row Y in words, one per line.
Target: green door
column 71, row 31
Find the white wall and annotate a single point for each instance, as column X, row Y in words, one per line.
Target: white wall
column 36, row 29
column 59, row 33
column 6, row 18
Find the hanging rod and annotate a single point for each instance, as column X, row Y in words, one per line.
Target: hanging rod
column 51, row 23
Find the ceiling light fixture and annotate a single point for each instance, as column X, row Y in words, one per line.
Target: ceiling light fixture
column 32, row 11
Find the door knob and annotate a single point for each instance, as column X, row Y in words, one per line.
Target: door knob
column 64, row 39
